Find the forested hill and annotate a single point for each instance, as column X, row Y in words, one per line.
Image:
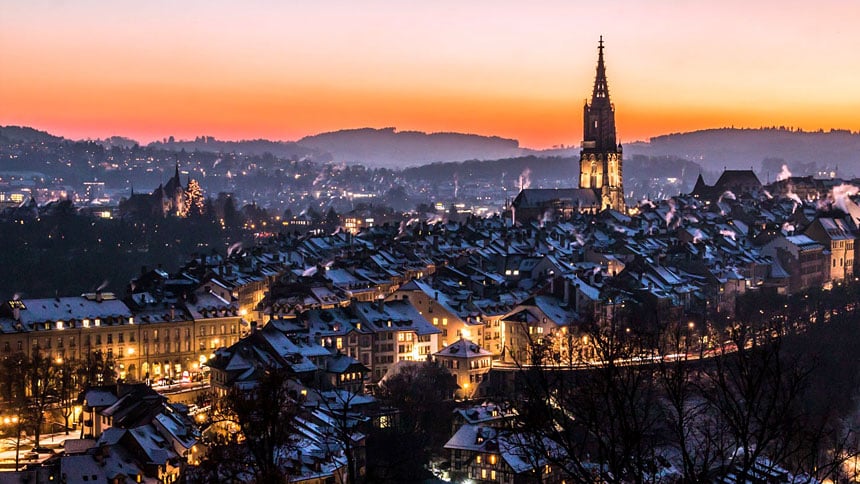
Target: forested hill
column 399, row 149
column 802, row 151
column 283, row 149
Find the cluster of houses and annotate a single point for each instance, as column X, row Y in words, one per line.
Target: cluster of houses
column 342, row 311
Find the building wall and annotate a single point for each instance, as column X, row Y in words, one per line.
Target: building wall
column 166, row 349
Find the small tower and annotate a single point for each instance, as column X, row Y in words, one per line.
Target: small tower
column 600, row 161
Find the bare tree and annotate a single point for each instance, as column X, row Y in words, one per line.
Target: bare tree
column 340, row 404
column 41, row 374
column 15, row 395
column 258, row 429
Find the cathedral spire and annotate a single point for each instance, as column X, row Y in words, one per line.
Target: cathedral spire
column 601, row 157
column 176, row 174
column 601, row 87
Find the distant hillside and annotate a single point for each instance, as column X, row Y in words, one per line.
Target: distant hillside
column 802, row 151
column 23, row 133
column 507, row 170
column 643, row 176
column 392, row 149
column 283, row 149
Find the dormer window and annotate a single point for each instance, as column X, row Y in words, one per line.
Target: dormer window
column 98, row 322
column 60, row 325
column 86, row 323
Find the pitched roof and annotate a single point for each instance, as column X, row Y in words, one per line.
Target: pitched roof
column 541, row 197
column 463, row 348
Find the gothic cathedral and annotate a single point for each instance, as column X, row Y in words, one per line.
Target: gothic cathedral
column 600, row 159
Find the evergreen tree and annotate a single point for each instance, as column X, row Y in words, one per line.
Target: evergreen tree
column 194, row 199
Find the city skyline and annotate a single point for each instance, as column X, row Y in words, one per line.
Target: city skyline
column 265, row 70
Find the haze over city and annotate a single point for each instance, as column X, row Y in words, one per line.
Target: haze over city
column 258, row 69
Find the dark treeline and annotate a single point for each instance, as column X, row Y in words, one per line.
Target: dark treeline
column 67, row 253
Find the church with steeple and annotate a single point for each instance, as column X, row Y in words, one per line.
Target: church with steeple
column 601, row 184
column 169, row 199
column 600, row 161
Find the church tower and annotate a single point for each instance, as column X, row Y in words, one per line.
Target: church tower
column 600, row 159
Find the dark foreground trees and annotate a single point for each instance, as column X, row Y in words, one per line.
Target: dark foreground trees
column 760, row 401
column 419, row 397
column 252, row 433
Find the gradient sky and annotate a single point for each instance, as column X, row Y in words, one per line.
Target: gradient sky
column 285, row 69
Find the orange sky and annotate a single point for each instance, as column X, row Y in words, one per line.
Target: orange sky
column 282, row 70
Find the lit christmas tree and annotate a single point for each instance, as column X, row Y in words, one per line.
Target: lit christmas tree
column 194, row 198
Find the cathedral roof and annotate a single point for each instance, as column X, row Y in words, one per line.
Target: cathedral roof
column 731, row 178
column 540, row 197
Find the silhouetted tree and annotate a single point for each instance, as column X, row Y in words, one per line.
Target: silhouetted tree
column 256, row 429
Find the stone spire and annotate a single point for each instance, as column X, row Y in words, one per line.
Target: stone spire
column 601, row 87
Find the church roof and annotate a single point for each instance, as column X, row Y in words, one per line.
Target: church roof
column 731, row 178
column 540, row 197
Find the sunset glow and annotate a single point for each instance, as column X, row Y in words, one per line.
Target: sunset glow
column 283, row 70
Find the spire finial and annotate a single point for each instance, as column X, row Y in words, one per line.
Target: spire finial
column 601, row 87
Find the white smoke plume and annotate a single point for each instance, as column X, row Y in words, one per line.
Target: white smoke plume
column 525, row 179
column 546, row 218
column 728, row 195
column 671, row 213
column 840, row 196
column 788, row 228
column 234, row 248
column 456, row 185
column 646, row 203
column 309, row 271
column 698, row 236
column 319, row 179
column 784, row 174
column 793, row 196
column 729, row 233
